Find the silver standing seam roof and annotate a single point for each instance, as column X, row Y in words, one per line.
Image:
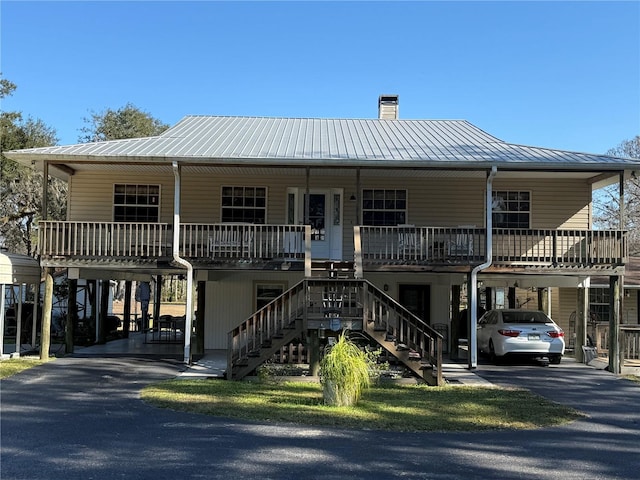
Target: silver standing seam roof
column 266, row 141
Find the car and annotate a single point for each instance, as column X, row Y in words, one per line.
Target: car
column 516, row 332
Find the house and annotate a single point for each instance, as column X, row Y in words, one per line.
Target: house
column 294, row 227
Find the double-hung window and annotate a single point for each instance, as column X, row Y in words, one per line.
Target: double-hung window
column 599, row 308
column 244, row 204
column 511, row 209
column 136, row 203
column 382, row 207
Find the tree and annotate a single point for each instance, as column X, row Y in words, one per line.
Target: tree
column 126, row 122
column 20, row 186
column 606, row 203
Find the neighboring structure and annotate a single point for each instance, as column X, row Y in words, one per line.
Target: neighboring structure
column 367, row 224
column 16, row 270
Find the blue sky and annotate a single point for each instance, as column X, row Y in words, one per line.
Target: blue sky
column 561, row 75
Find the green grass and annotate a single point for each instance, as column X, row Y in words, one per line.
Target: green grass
column 393, row 407
column 12, row 366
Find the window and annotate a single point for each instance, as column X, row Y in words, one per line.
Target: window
column 244, row 204
column 511, row 209
column 599, row 304
column 136, row 203
column 384, row 207
column 266, row 292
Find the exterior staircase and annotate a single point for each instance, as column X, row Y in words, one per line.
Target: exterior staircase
column 335, row 302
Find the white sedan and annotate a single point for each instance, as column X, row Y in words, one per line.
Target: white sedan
column 520, row 332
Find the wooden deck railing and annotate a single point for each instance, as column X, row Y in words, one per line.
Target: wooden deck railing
column 103, row 239
column 399, row 245
column 222, row 241
column 407, row 244
column 244, row 241
column 629, row 340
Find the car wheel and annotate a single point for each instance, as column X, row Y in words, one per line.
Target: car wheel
column 492, row 353
column 555, row 359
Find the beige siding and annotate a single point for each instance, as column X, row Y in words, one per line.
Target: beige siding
column 438, row 202
column 555, row 203
column 231, row 300
column 91, row 195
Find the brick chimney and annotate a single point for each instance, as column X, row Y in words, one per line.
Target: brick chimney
column 388, row 107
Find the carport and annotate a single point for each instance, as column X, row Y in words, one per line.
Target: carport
column 15, row 270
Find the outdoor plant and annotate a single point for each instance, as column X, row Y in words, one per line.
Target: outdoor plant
column 344, row 373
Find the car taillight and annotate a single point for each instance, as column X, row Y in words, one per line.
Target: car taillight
column 554, row 334
column 509, row 333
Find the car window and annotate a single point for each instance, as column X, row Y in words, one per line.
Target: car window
column 524, row 317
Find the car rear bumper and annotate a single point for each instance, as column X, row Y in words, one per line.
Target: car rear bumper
column 528, row 347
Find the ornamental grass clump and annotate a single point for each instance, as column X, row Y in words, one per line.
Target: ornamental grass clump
column 344, row 373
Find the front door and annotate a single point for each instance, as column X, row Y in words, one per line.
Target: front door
column 322, row 210
column 416, row 299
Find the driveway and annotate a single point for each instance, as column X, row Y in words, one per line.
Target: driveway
column 81, row 418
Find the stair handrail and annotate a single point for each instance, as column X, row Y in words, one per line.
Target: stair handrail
column 424, row 339
column 262, row 325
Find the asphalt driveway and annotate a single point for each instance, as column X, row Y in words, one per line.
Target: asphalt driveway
column 81, row 418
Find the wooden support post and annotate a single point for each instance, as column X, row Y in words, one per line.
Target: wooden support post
column 511, row 297
column 157, row 295
column 455, row 319
column 103, row 329
column 45, row 333
column 92, row 295
column 582, row 308
column 314, row 352
column 488, row 296
column 543, row 299
column 72, row 315
column 126, row 309
column 615, row 364
column 198, row 345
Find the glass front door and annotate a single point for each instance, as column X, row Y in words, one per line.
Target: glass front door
column 322, row 210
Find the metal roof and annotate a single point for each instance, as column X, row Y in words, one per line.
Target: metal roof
column 315, row 141
column 16, row 269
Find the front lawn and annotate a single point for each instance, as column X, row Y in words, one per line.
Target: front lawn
column 390, row 407
column 11, row 366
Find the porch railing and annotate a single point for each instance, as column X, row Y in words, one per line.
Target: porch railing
column 221, row 241
column 245, row 241
column 629, row 340
column 408, row 244
column 104, row 239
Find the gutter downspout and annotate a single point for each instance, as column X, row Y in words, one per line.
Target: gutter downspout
column 188, row 322
column 473, row 294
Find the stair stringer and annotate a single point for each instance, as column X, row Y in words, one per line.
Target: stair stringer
column 416, row 365
column 293, row 331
